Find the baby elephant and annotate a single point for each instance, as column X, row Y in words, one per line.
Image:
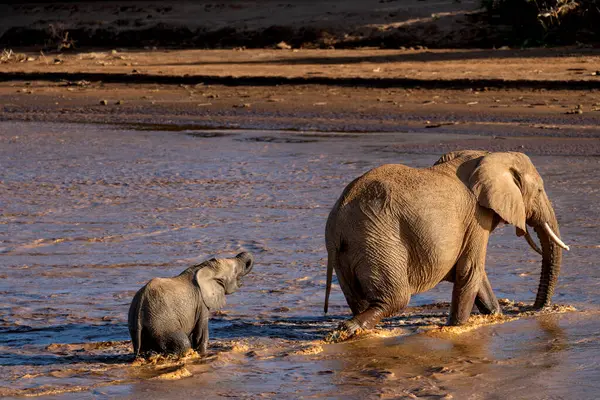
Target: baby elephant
column 170, row 315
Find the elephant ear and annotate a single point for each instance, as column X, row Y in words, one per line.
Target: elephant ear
column 213, row 293
column 496, row 184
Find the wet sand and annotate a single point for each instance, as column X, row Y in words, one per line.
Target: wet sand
column 503, row 118
column 509, row 94
column 91, row 212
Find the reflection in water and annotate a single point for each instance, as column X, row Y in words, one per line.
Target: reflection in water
column 88, row 214
column 556, row 339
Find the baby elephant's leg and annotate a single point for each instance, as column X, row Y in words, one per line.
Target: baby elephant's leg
column 200, row 335
column 175, row 343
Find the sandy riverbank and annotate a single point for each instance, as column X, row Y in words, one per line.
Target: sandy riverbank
column 531, row 93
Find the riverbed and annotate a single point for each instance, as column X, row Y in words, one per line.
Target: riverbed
column 89, row 213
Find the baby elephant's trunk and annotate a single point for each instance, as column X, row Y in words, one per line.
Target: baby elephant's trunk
column 247, row 261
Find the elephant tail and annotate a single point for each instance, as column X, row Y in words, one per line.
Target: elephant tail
column 331, row 259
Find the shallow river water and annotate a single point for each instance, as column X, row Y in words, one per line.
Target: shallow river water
column 90, row 213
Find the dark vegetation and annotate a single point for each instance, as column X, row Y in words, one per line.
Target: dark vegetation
column 547, row 22
column 512, row 23
column 160, row 35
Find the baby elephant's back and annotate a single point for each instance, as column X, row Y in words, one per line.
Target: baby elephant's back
column 159, row 299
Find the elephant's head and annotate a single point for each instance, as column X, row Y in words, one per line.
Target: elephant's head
column 509, row 184
column 221, row 276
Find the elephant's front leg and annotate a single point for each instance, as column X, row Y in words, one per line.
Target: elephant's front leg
column 486, row 300
column 467, row 283
column 200, row 334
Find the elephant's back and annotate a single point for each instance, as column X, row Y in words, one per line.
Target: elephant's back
column 397, row 182
column 160, row 299
column 379, row 183
column 396, row 195
column 372, row 198
column 159, row 289
column 419, row 214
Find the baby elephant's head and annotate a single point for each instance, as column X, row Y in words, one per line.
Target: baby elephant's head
column 220, row 276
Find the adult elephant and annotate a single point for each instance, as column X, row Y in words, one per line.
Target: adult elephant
column 396, row 231
column 170, row 315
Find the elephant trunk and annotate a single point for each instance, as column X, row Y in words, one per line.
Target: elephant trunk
column 551, row 261
column 247, row 261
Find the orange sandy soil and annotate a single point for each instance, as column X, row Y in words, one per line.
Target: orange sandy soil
column 559, row 64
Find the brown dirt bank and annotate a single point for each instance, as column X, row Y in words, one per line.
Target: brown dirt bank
column 501, row 119
column 529, row 94
column 564, row 68
column 260, row 23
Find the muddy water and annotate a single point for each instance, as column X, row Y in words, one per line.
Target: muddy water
column 89, row 213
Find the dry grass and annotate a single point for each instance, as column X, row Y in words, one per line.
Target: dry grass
column 9, row 56
column 548, row 21
column 59, row 38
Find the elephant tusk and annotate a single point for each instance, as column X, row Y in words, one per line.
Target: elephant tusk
column 532, row 243
column 553, row 236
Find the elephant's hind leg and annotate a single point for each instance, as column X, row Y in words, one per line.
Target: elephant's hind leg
column 148, row 343
column 384, row 285
column 135, row 342
column 374, row 313
column 349, row 284
column 365, row 320
column 175, row 343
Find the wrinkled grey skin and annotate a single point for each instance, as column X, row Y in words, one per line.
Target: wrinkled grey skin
column 170, row 315
column 397, row 231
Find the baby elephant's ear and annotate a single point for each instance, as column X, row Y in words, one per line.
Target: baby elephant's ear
column 213, row 293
